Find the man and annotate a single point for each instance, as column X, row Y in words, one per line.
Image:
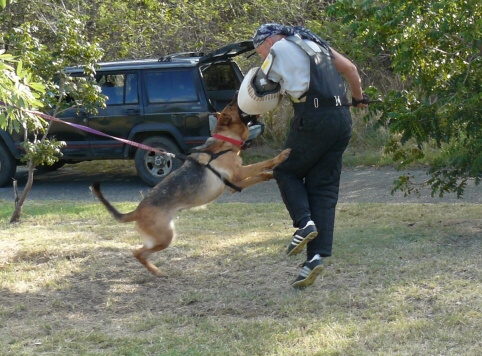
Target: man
column 308, row 70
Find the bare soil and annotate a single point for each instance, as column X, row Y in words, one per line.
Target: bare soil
column 358, row 185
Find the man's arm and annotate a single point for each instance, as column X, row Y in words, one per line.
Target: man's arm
column 350, row 72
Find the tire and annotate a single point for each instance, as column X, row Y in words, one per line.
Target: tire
column 152, row 167
column 8, row 166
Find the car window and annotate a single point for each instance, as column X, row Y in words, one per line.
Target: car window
column 119, row 88
column 131, row 96
column 220, row 77
column 170, row 86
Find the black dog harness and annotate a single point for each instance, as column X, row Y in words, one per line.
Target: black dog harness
column 213, row 156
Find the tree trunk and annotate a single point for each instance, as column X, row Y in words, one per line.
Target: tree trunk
column 19, row 201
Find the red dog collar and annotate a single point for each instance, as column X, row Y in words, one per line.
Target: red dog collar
column 228, row 139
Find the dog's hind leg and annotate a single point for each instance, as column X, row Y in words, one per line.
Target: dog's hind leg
column 143, row 253
column 156, row 238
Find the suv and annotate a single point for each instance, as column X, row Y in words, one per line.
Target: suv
column 167, row 103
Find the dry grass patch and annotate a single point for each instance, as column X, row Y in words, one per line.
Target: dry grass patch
column 404, row 280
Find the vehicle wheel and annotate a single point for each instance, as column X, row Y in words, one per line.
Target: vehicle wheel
column 45, row 168
column 8, row 166
column 153, row 167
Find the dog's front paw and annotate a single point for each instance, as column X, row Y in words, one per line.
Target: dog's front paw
column 283, row 156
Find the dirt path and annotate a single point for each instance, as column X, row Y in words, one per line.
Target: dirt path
column 357, row 186
column 365, row 186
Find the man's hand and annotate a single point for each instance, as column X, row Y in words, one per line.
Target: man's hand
column 360, row 103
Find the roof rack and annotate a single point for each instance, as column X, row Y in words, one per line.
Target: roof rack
column 169, row 57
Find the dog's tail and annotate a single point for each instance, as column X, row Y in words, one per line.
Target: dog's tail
column 128, row 217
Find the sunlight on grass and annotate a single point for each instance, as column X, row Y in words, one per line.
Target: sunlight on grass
column 404, row 280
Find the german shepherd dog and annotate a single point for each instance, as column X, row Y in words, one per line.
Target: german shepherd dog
column 194, row 184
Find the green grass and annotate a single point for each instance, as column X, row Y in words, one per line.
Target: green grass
column 404, row 280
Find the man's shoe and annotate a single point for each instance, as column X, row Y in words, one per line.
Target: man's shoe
column 309, row 272
column 301, row 237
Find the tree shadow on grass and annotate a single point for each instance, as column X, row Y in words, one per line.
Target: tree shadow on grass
column 229, row 280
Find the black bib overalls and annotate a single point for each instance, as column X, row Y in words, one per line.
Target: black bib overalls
column 319, row 134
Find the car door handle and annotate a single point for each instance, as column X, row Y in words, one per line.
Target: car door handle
column 131, row 112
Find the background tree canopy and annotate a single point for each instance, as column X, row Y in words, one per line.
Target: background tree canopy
column 435, row 48
column 423, row 59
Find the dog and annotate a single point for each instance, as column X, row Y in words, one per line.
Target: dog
column 203, row 177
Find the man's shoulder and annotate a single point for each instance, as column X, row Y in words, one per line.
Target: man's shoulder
column 283, row 45
column 287, row 46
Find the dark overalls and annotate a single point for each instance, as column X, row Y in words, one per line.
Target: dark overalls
column 319, row 134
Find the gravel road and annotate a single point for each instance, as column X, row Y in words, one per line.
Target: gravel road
column 357, row 186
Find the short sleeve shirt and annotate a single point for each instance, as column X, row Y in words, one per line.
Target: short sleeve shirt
column 290, row 66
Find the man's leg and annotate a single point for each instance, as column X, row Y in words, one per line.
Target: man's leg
column 308, row 144
column 322, row 186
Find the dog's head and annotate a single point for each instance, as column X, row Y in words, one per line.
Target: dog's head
column 234, row 121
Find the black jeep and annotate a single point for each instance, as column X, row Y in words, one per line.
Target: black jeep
column 167, row 103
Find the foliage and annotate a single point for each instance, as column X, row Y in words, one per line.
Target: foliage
column 67, row 46
column 149, row 28
column 436, row 51
column 425, row 57
column 20, row 95
column 44, row 48
column 18, row 91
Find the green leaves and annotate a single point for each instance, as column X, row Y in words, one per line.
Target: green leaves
column 432, row 48
column 425, row 57
column 18, row 93
column 33, row 79
column 42, row 152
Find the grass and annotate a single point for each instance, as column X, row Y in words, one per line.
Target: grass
column 404, row 280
